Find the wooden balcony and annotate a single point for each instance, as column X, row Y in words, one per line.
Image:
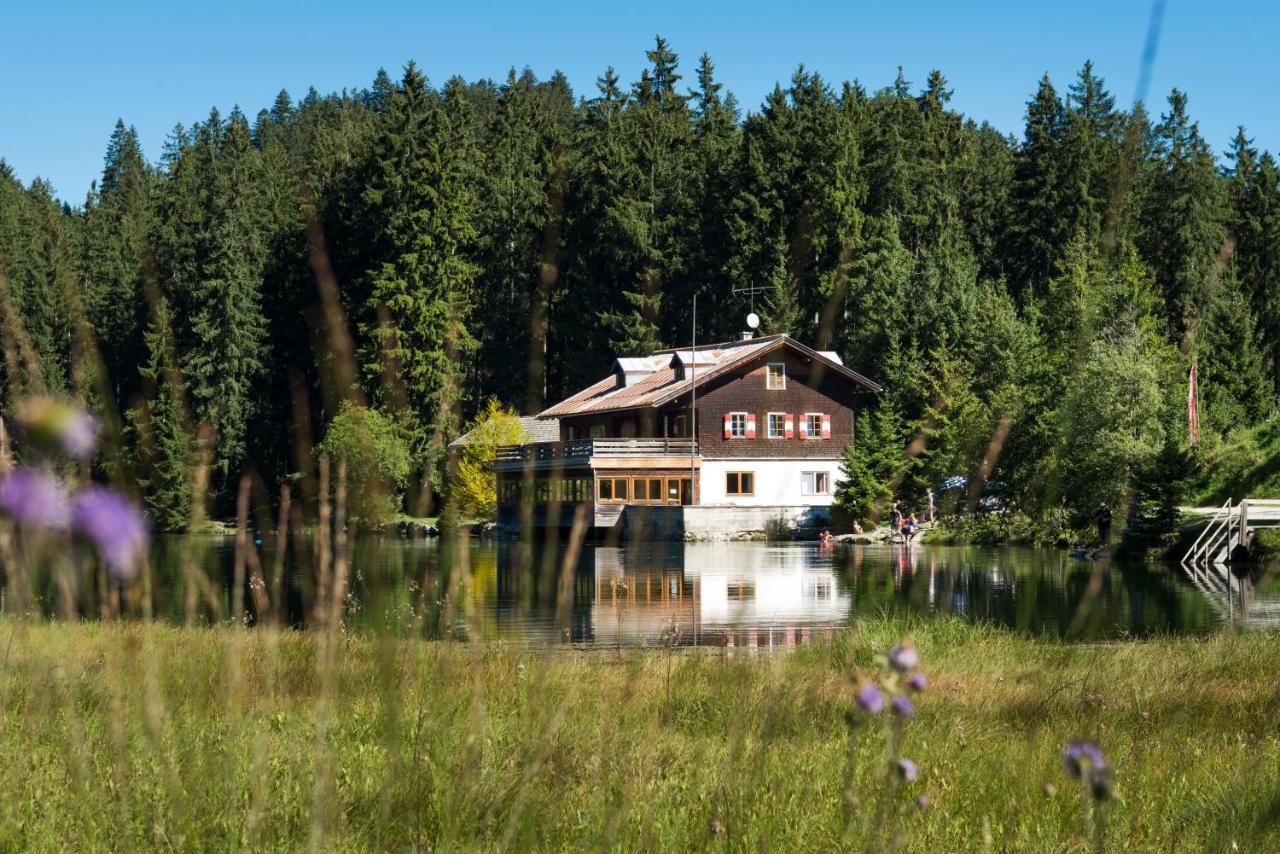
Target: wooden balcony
column 596, row 453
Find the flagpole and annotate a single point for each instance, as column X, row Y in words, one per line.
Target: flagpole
column 693, row 401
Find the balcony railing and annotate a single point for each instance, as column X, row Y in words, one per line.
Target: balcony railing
column 550, row 453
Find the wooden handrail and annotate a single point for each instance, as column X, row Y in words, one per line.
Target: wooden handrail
column 583, row 449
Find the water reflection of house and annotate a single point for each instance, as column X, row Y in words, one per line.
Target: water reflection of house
column 756, row 595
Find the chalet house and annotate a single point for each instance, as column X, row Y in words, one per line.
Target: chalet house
column 719, row 438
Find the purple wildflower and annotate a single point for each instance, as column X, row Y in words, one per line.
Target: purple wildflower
column 114, row 525
column 57, row 426
column 870, row 698
column 1078, row 753
column 904, row 658
column 907, row 770
column 918, row 682
column 1084, row 761
column 902, row 706
column 79, row 434
column 35, row 499
column 922, row 801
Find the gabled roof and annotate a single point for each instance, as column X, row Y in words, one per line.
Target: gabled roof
column 537, row 428
column 666, row 384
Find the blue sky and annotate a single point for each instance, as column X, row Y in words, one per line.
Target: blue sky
column 69, row 69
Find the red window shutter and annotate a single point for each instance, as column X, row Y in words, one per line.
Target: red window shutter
column 751, row 425
column 804, row 427
column 728, row 426
column 826, row 426
column 789, row 425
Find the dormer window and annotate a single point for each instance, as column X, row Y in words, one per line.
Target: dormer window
column 776, row 378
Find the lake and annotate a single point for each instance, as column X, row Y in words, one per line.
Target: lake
column 748, row 594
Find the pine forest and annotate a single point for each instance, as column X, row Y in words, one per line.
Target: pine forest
column 1031, row 303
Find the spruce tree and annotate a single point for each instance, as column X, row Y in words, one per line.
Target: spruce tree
column 417, row 317
column 1184, row 221
column 157, row 433
column 1036, row 232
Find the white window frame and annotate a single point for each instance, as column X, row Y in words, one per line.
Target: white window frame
column 806, row 475
column 768, row 376
column 808, row 417
column 782, row 425
column 736, row 419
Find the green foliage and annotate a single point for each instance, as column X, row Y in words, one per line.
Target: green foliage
column 475, row 486
column 377, row 459
column 1244, row 464
column 418, row 313
column 157, row 432
column 1159, row 490
column 507, row 239
column 871, row 465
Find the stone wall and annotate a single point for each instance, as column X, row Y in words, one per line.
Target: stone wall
column 719, row 523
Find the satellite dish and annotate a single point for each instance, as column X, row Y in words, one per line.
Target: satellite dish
column 753, row 321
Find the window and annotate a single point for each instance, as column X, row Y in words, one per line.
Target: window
column 777, row 425
column 612, row 489
column 776, row 378
column 740, row 483
column 655, row 488
column 736, row 425
column 678, row 426
column 815, row 483
column 815, row 425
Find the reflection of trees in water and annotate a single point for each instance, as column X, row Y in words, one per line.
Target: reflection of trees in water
column 514, row 590
column 1037, row 591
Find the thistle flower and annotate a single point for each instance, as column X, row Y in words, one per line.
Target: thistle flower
column 902, row 706
column 1084, row 761
column 904, row 658
column 54, row 425
column 918, row 682
column 907, row 770
column 870, row 698
column 1082, row 757
column 115, row 527
column 35, row 499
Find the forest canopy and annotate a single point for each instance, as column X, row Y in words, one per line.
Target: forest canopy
column 1031, row 304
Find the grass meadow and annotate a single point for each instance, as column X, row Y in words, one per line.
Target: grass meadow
column 133, row 735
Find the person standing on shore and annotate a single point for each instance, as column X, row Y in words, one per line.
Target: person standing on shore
column 1103, row 517
column 895, row 517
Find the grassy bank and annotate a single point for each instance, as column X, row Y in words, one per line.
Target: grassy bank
column 1244, row 465
column 117, row 736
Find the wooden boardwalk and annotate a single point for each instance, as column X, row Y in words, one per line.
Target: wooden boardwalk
column 1230, row 528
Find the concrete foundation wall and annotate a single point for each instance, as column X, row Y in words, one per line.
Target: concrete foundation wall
column 717, row 523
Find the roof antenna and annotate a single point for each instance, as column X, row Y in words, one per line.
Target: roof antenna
column 751, row 289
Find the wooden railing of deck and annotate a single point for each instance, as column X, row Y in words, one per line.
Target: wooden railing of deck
column 584, row 449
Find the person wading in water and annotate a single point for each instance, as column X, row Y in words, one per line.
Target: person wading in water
column 1103, row 517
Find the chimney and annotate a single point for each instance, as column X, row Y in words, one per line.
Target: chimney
column 747, row 335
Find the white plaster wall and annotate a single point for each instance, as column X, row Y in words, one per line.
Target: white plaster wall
column 778, row 482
